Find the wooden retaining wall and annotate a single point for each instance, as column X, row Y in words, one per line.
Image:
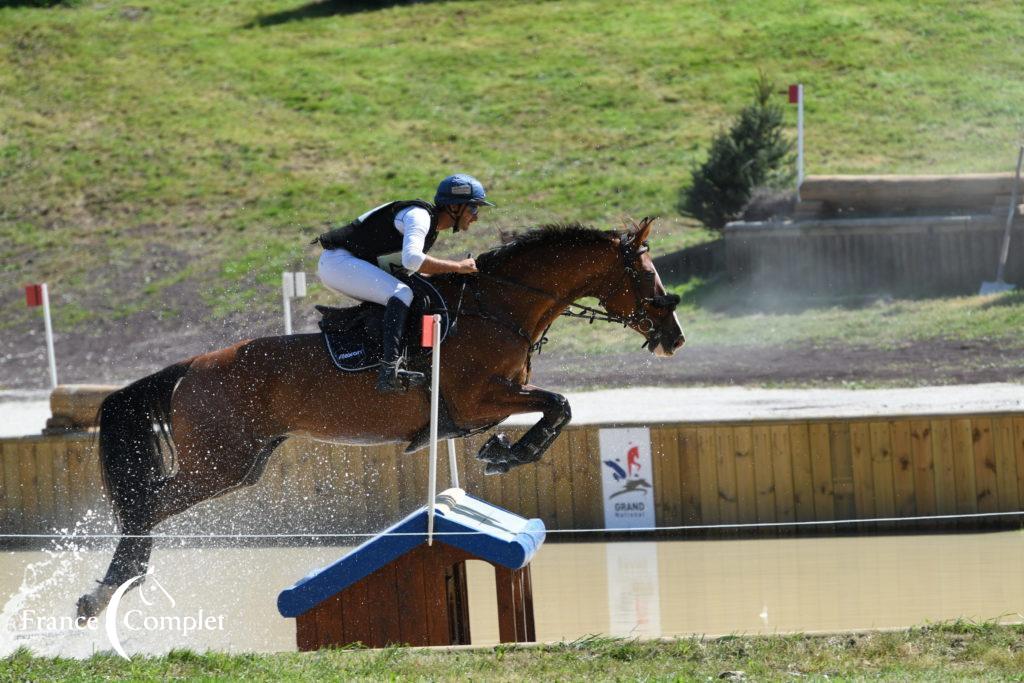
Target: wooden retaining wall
column 909, row 255
column 701, row 260
column 703, row 474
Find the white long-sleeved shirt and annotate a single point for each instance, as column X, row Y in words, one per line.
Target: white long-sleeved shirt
column 414, row 224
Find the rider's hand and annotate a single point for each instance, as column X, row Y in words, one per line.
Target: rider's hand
column 466, row 266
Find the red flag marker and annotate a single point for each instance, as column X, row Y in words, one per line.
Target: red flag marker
column 427, row 336
column 794, row 94
column 34, row 295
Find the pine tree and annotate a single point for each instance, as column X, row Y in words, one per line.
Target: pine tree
column 750, row 154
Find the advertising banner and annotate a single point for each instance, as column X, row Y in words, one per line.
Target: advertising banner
column 626, row 478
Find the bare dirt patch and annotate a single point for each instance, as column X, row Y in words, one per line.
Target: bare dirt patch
column 920, row 363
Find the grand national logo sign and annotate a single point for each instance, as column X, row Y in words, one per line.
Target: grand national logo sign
column 626, row 478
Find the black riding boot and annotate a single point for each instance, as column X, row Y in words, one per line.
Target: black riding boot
column 392, row 377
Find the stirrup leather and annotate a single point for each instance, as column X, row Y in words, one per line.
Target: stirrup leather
column 392, row 377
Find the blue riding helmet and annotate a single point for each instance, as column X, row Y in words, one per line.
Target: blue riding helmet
column 461, row 189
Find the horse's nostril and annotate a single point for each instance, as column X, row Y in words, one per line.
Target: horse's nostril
column 679, row 342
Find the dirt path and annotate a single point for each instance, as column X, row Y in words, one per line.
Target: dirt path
column 921, row 363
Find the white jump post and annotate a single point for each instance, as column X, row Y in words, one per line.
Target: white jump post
column 431, row 336
column 796, row 96
column 453, row 465
column 293, row 286
column 435, row 385
column 49, row 336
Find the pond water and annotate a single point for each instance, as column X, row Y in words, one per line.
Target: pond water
column 224, row 599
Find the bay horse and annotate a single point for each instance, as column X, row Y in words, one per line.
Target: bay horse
column 221, row 414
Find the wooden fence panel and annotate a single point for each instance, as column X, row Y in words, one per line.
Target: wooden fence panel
column 821, row 471
column 963, row 466
column 725, row 466
column 588, row 506
column 528, row 491
column 708, row 463
column 945, row 477
column 903, row 468
column 29, row 483
column 1006, row 464
column 703, row 474
column 10, row 517
column 689, row 472
column 61, row 489
column 842, row 470
column 881, row 469
column 863, row 473
column 668, row 494
column 545, row 474
column 564, row 509
column 1018, row 449
column 764, row 476
column 746, row 486
column 803, row 479
column 985, row 465
column 924, row 466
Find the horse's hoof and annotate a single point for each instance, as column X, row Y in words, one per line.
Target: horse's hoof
column 87, row 608
column 497, row 468
column 496, row 450
column 91, row 604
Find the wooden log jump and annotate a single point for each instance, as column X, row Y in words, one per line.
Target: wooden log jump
column 893, row 194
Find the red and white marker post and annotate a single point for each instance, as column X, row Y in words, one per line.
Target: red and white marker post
column 796, row 96
column 431, row 338
column 39, row 295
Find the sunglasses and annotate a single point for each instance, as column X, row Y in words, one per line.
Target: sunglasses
column 473, row 209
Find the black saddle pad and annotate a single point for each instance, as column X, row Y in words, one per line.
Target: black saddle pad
column 352, row 335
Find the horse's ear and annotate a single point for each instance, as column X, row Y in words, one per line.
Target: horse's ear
column 642, row 230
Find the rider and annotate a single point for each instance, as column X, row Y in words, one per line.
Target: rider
column 349, row 265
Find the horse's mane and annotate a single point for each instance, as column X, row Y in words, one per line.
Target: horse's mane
column 571, row 235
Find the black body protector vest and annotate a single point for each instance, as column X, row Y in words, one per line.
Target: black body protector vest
column 376, row 235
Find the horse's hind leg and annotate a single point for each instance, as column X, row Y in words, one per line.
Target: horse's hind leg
column 196, row 480
column 200, row 479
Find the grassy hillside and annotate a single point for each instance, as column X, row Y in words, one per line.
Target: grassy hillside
column 180, row 154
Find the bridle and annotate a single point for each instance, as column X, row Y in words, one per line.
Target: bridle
column 638, row 318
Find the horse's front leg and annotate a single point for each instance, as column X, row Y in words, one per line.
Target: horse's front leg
column 500, row 455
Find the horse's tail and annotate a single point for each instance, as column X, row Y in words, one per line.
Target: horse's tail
column 135, row 432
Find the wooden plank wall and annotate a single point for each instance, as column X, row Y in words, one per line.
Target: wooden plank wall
column 703, row 474
column 825, row 258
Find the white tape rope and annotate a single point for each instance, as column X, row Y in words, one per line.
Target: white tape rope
column 686, row 527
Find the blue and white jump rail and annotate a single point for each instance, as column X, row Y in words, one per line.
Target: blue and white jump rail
column 399, row 588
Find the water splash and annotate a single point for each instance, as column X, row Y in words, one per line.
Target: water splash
column 29, row 618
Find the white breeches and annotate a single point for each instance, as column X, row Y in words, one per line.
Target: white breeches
column 342, row 272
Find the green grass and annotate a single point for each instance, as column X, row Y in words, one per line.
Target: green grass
column 234, row 132
column 959, row 650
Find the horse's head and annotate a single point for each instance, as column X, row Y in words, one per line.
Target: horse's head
column 639, row 297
